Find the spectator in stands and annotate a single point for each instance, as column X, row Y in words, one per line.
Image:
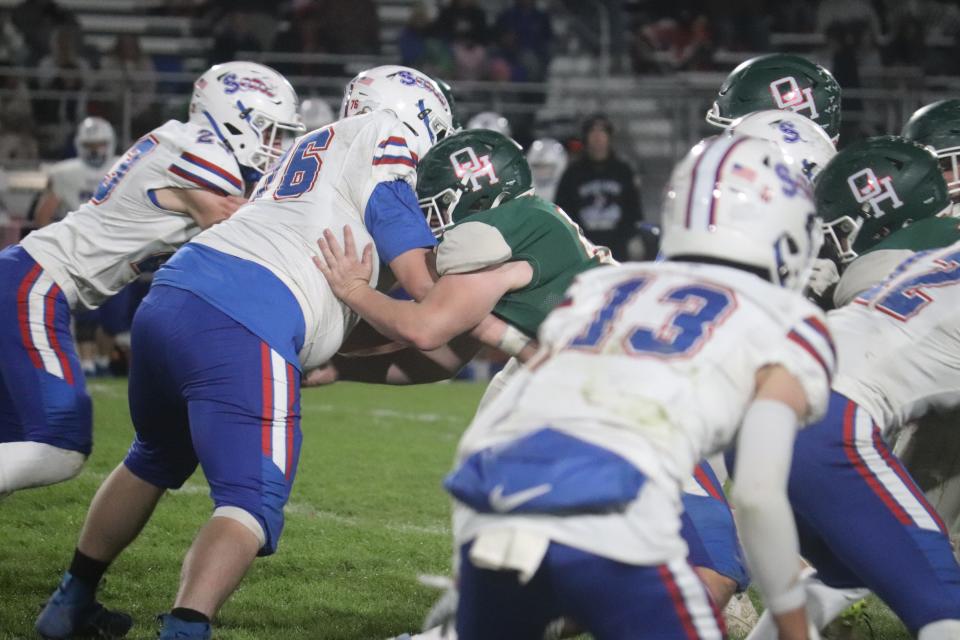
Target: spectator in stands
column 463, row 25
column 531, row 32
column 131, row 72
column 420, row 48
column 37, row 20
column 13, row 46
column 354, row 25
column 64, row 71
column 599, row 190
column 234, row 33
column 309, row 33
column 908, row 43
column 461, row 20
column 18, row 145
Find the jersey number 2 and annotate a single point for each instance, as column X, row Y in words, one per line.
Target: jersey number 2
column 698, row 309
column 908, row 298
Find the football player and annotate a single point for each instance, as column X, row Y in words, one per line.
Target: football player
column 782, row 81
column 937, row 125
column 70, row 183
column 316, row 113
column 547, row 159
column 568, row 482
column 176, row 180
column 223, row 390
column 490, row 120
column 504, row 250
column 805, row 140
column 863, row 521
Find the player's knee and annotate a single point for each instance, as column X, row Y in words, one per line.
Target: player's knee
column 24, row 465
column 264, row 523
column 940, row 630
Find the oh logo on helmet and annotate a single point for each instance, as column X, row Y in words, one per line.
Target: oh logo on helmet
column 866, row 187
column 788, row 95
column 469, row 167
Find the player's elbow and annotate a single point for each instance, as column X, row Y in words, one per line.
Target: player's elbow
column 422, row 334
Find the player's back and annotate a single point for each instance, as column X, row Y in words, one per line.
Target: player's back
column 660, row 359
column 121, row 231
column 326, row 180
column 899, row 342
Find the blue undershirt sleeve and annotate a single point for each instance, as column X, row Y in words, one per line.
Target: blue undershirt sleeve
column 394, row 219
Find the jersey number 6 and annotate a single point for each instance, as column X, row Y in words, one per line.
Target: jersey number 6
column 300, row 166
column 698, row 309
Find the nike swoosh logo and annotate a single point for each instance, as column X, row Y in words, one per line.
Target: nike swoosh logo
column 503, row 504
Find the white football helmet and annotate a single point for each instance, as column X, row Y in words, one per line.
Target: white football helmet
column 414, row 97
column 490, row 120
column 547, row 159
column 316, row 113
column 796, row 134
column 742, row 200
column 95, row 142
column 251, row 108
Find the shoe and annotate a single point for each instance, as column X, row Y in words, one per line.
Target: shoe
column 175, row 628
column 72, row 611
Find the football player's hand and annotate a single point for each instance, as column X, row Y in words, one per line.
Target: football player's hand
column 824, row 275
column 322, row 375
column 344, row 271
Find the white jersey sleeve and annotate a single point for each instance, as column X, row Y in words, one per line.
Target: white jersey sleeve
column 122, row 231
column 809, row 354
column 381, row 155
column 206, row 163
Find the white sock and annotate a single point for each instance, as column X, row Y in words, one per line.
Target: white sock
column 35, row 464
column 940, row 630
column 823, row 605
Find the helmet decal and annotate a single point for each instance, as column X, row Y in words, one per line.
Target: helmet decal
column 788, row 95
column 473, row 167
column 866, row 187
column 232, row 84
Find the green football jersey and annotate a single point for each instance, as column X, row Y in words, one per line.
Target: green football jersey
column 530, row 229
column 930, row 233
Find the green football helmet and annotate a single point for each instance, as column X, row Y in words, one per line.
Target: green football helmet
column 470, row 171
column 447, row 92
column 779, row 81
column 875, row 187
column 938, row 125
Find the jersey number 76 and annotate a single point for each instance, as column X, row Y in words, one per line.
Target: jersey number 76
column 298, row 168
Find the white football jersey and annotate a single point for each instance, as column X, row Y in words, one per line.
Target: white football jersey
column 324, row 181
column 656, row 362
column 121, row 231
column 899, row 342
column 73, row 182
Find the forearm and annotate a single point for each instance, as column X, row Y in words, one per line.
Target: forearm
column 409, row 366
column 761, row 507
column 403, row 321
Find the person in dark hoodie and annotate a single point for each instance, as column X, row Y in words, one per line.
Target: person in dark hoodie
column 598, row 191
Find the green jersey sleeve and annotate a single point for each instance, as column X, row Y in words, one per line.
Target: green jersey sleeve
column 529, row 229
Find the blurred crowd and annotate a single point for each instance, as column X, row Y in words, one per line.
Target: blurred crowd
column 688, row 34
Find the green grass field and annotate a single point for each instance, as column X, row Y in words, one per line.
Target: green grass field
column 367, row 515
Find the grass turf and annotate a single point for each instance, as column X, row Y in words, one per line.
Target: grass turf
column 366, row 517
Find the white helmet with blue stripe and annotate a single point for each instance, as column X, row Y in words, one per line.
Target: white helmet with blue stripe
column 251, row 108
column 742, row 200
column 413, row 96
column 797, row 135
